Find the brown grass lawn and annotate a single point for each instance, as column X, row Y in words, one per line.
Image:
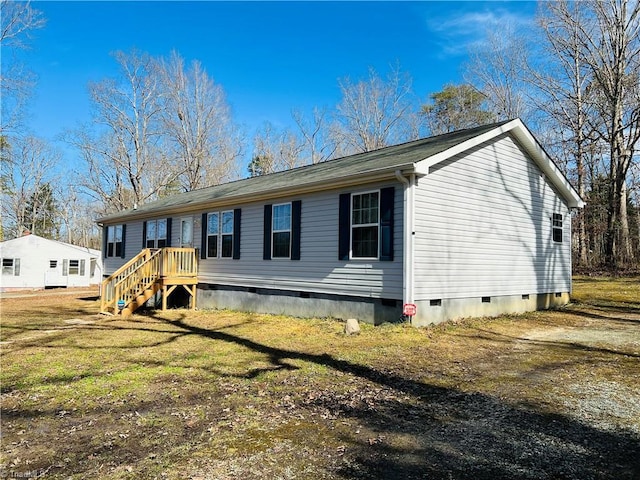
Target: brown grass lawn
column 225, row 395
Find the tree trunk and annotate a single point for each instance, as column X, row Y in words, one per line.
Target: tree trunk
column 626, row 252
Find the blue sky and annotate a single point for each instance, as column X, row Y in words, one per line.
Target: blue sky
column 270, row 57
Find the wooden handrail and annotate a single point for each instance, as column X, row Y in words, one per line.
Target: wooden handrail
column 179, row 262
column 110, row 295
column 143, row 271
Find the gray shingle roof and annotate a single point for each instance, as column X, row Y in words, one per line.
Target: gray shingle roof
column 354, row 167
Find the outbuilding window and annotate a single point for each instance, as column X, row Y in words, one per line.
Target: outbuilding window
column 73, row 267
column 11, row 266
column 557, row 227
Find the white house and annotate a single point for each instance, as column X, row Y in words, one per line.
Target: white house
column 33, row 262
column 471, row 223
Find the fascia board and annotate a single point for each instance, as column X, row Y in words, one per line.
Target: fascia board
column 548, row 167
column 424, row 166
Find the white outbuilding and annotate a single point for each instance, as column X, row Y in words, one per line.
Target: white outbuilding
column 34, row 262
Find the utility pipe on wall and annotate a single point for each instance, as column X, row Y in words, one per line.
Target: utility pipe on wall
column 408, row 235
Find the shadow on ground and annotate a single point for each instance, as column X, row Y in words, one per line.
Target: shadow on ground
column 417, row 430
column 425, row 431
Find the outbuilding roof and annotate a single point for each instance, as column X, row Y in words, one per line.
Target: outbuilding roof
column 411, row 157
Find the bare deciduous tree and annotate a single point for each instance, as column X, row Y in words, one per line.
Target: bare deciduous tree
column 77, row 224
column 123, row 150
column 375, row 113
column 275, row 151
column 318, row 146
column 496, row 69
column 609, row 37
column 18, row 20
column 26, row 168
column 565, row 84
column 197, row 123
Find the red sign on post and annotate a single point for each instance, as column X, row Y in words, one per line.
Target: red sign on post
column 409, row 309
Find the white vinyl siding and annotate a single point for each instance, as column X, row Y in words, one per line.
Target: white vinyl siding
column 484, row 223
column 318, row 270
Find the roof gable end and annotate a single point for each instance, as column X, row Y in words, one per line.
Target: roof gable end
column 530, row 145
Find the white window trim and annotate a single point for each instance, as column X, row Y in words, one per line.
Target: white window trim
column 274, row 231
column 363, row 225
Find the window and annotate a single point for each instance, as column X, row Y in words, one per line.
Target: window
column 213, row 230
column 281, row 231
column 53, row 263
column 115, row 241
column 73, row 267
column 156, row 233
column 227, row 235
column 11, row 266
column 365, row 210
column 365, row 225
column 557, row 228
column 222, row 234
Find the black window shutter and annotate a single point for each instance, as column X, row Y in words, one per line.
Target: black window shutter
column 144, row 234
column 124, row 239
column 168, row 232
column 266, row 247
column 296, row 217
column 387, row 197
column 236, row 233
column 344, row 225
column 203, row 239
column 105, row 237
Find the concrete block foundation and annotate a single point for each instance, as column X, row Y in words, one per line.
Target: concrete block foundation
column 299, row 304
column 439, row 310
column 369, row 310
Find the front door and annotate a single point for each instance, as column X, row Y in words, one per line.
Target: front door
column 53, row 276
column 186, row 232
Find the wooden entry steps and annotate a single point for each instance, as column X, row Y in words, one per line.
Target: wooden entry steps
column 151, row 271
